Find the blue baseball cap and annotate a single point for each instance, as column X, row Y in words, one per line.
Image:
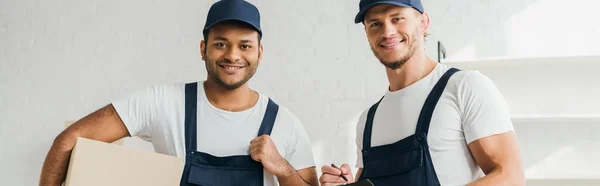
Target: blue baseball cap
column 233, row 10
column 365, row 5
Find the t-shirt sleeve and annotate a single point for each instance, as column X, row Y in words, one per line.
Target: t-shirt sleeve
column 138, row 111
column 360, row 128
column 299, row 152
column 483, row 108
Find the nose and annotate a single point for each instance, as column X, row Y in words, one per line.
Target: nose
column 389, row 30
column 233, row 55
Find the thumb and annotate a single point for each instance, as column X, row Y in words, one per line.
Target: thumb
column 345, row 168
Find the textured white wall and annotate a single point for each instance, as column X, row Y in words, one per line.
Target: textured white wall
column 63, row 59
column 60, row 60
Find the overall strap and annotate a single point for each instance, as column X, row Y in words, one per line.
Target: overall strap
column 191, row 102
column 369, row 125
column 269, row 119
column 431, row 102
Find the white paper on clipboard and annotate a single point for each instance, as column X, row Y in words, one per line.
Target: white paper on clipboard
column 366, row 182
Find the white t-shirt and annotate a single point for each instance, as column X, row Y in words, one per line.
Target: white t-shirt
column 470, row 108
column 156, row 114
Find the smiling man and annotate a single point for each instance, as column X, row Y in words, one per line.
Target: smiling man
column 228, row 133
column 435, row 125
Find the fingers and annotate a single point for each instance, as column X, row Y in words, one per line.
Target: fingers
column 256, row 140
column 256, row 157
column 331, row 175
column 330, row 170
column 255, row 153
column 256, row 143
column 259, row 140
column 256, row 147
column 326, row 179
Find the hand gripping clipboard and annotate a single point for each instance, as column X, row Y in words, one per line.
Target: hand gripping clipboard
column 366, row 182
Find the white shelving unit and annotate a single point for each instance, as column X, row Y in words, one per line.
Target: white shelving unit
column 563, row 182
column 555, row 108
column 549, row 120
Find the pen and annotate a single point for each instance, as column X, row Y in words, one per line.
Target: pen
column 341, row 174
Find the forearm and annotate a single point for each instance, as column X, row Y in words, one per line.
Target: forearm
column 103, row 125
column 291, row 177
column 55, row 166
column 499, row 177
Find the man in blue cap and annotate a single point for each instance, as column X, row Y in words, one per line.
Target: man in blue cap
column 436, row 125
column 227, row 133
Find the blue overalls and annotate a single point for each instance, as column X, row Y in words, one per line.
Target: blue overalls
column 207, row 170
column 408, row 161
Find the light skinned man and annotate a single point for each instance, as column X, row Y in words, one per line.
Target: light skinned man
column 436, row 125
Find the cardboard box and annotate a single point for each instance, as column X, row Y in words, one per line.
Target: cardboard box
column 95, row 163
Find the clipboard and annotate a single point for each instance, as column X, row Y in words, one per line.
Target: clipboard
column 366, row 182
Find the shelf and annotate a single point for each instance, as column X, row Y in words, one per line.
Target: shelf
column 579, row 120
column 526, row 60
column 562, row 182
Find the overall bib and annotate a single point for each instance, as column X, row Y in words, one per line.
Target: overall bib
column 408, row 161
column 207, row 170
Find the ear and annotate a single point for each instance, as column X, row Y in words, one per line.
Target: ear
column 203, row 50
column 424, row 22
column 260, row 53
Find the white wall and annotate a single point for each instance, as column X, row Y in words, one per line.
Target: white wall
column 473, row 30
column 62, row 59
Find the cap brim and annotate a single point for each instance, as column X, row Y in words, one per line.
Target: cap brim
column 361, row 14
column 234, row 19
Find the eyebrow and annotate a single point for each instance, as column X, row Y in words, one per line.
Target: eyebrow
column 245, row 41
column 219, row 38
column 371, row 20
column 396, row 14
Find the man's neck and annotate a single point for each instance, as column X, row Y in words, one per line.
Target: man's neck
column 239, row 99
column 415, row 69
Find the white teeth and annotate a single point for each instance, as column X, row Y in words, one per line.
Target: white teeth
column 231, row 68
column 389, row 45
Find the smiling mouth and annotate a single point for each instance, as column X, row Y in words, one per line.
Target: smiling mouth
column 231, row 69
column 391, row 45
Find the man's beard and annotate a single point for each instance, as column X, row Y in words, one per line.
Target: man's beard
column 211, row 69
column 398, row 63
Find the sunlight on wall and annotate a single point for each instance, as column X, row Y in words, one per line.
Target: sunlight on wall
column 582, row 157
column 542, row 28
column 554, row 28
column 466, row 53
